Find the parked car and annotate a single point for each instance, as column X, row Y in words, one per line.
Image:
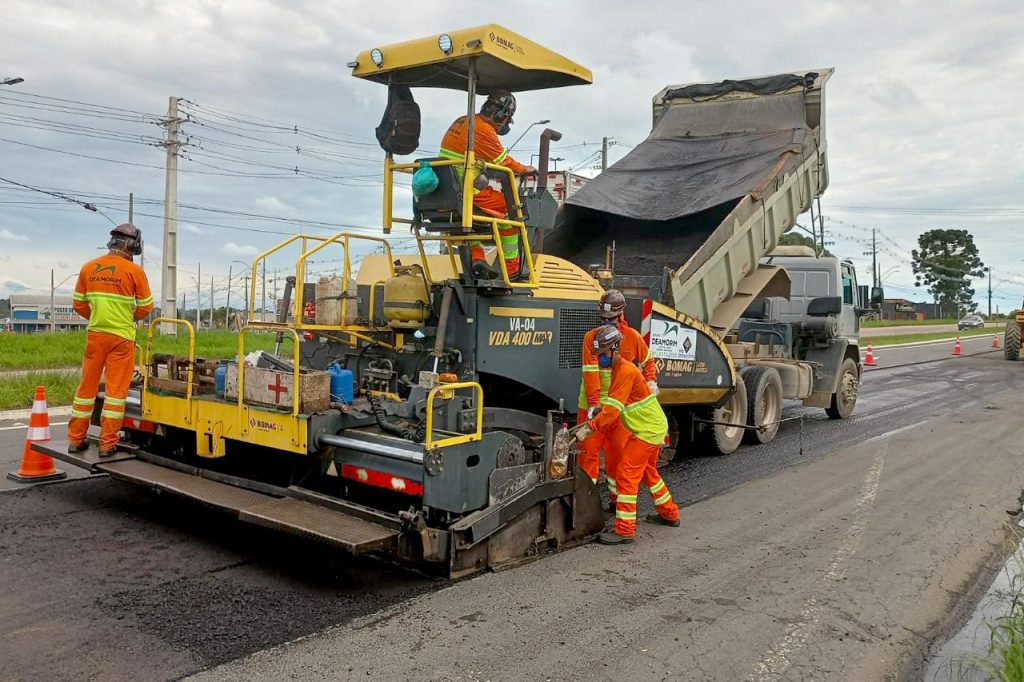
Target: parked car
column 970, row 322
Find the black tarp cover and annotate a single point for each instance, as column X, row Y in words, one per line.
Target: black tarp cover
column 699, row 156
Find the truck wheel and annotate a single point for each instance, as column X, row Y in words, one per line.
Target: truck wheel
column 723, row 440
column 1011, row 340
column 764, row 403
column 845, row 397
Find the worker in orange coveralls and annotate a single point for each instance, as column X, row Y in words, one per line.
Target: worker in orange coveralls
column 633, row 421
column 494, row 119
column 112, row 293
column 597, row 378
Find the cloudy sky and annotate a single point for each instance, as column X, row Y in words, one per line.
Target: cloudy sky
column 923, row 116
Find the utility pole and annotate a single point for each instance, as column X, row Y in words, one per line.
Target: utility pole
column 275, row 294
column 199, row 294
column 604, row 154
column 53, row 317
column 263, row 306
column 211, row 301
column 989, row 291
column 246, row 290
column 227, row 306
column 169, row 269
column 875, row 279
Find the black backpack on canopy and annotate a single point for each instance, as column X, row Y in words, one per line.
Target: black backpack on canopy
column 399, row 129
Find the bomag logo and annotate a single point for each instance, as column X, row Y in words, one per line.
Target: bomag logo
column 501, row 42
column 262, row 424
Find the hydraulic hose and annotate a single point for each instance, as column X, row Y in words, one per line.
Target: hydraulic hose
column 417, row 435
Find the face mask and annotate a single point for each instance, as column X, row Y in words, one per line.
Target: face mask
column 604, row 361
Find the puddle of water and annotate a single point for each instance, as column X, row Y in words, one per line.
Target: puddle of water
column 952, row 662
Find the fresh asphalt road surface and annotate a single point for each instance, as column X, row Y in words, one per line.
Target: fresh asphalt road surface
column 837, row 551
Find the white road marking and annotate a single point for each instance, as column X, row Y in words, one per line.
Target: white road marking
column 882, row 436
column 777, row 661
column 22, row 426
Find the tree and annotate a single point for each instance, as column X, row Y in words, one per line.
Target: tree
column 797, row 239
column 945, row 262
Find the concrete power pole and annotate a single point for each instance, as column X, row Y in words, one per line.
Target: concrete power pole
column 53, row 317
column 169, row 269
column 211, row 301
column 989, row 291
column 227, row 306
column 604, row 154
column 199, row 294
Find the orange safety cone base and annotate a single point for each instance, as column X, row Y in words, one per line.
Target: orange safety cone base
column 57, row 475
column 35, row 466
column 995, row 341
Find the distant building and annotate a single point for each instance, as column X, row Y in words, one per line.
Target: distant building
column 31, row 313
column 903, row 309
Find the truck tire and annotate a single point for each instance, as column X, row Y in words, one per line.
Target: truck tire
column 1011, row 341
column 723, row 440
column 845, row 397
column 764, row 403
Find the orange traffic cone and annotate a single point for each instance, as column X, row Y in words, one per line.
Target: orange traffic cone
column 956, row 346
column 37, row 467
column 995, row 340
column 869, row 359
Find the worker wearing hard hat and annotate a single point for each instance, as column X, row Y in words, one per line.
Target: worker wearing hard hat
column 631, row 419
column 112, row 293
column 597, row 377
column 494, row 119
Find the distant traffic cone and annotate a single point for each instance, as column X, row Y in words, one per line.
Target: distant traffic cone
column 956, row 346
column 37, row 467
column 869, row 359
column 995, row 340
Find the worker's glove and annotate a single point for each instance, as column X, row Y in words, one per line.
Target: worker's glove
column 583, row 433
column 593, row 411
column 653, row 385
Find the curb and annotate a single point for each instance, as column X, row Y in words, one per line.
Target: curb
column 59, row 411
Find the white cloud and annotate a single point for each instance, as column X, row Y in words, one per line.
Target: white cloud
column 7, row 235
column 189, row 227
column 233, row 249
column 271, row 203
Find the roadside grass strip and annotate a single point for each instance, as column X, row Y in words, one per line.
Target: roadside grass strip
column 17, row 392
column 45, row 350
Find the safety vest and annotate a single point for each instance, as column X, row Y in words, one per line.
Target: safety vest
column 112, row 292
column 644, row 419
column 629, row 349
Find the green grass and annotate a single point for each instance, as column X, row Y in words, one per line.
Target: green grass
column 903, row 323
column 64, row 349
column 877, row 341
column 17, row 392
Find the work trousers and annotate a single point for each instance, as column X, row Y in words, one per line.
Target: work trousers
column 589, row 457
column 116, row 356
column 638, row 462
column 493, row 201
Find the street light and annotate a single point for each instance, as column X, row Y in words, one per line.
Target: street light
column 245, row 268
column 887, row 273
column 535, row 123
column 53, row 288
column 12, row 81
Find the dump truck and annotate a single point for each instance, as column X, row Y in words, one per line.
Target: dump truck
column 417, row 410
column 688, row 224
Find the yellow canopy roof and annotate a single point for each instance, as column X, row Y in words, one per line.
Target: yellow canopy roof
column 504, row 60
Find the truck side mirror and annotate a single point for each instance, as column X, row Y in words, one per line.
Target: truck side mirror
column 877, row 296
column 824, row 305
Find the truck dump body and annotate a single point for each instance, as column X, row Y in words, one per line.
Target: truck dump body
column 725, row 172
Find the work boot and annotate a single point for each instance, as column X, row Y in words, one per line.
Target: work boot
column 658, row 519
column 483, row 270
column 78, row 447
column 613, row 538
column 107, row 453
